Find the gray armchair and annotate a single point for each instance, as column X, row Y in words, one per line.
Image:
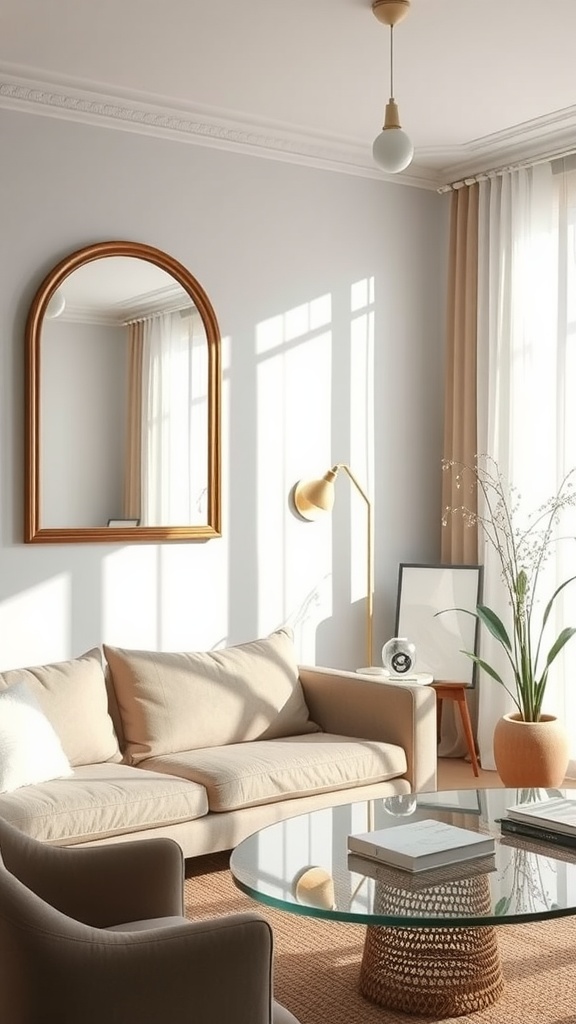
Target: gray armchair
column 98, row 934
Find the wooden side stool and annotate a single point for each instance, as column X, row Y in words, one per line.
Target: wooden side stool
column 457, row 691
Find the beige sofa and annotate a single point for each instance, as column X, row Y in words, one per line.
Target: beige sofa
column 205, row 747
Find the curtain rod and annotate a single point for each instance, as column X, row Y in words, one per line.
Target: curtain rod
column 496, row 172
column 184, row 310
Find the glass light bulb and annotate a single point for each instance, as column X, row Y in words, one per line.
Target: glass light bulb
column 56, row 305
column 392, row 150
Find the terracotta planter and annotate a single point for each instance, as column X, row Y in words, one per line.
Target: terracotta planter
column 531, row 754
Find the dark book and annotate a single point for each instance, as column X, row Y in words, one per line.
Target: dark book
column 557, row 815
column 541, row 833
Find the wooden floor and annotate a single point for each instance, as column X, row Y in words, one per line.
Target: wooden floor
column 456, row 773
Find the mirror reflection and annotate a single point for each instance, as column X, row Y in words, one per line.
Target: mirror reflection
column 123, row 401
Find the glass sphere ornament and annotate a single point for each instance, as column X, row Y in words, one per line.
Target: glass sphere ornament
column 401, row 805
column 399, row 656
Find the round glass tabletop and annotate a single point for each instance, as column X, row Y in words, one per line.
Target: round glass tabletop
column 303, row 865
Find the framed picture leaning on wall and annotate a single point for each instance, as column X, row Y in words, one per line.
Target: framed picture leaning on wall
column 424, row 590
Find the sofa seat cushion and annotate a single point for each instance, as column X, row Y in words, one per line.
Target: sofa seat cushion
column 102, row 800
column 72, row 695
column 170, row 703
column 245, row 774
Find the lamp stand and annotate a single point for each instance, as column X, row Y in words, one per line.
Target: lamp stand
column 311, row 499
column 369, row 562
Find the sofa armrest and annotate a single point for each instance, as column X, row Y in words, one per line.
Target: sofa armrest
column 350, row 704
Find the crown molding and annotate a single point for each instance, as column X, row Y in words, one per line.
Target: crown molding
column 541, row 138
column 26, row 90
column 144, row 115
column 171, row 299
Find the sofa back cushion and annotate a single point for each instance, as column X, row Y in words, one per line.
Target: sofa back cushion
column 72, row 695
column 174, row 702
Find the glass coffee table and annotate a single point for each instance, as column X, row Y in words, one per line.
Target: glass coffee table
column 431, row 939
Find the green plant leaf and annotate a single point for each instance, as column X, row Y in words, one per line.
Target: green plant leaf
column 501, row 907
column 564, row 637
column 484, row 665
column 548, row 608
column 494, row 625
column 464, row 611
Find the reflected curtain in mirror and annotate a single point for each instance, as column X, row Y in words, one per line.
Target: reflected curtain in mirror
column 166, row 432
column 133, row 474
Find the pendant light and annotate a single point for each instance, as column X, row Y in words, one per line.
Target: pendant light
column 56, row 305
column 392, row 149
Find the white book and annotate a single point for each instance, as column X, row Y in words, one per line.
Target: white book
column 420, row 881
column 421, row 845
column 557, row 814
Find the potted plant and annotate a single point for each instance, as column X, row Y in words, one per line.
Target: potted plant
column 522, row 548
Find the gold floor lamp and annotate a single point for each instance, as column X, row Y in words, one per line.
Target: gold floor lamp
column 312, row 498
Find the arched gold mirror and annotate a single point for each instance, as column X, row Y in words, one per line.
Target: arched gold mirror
column 122, row 401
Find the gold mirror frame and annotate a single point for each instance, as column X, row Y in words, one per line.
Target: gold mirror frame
column 33, row 532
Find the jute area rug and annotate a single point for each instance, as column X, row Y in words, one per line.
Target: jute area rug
column 317, row 962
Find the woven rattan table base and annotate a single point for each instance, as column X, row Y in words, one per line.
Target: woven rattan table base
column 433, row 971
column 444, row 972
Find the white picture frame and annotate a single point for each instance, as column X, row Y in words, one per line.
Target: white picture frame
column 440, row 640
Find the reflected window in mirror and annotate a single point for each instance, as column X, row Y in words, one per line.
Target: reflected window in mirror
column 123, row 401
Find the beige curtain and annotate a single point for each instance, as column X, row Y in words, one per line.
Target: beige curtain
column 460, row 542
column 133, row 475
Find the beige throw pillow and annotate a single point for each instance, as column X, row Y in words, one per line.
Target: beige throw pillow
column 174, row 702
column 72, row 695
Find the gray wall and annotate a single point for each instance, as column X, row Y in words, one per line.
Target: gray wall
column 288, row 255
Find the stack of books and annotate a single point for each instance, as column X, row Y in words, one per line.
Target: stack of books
column 421, row 881
column 551, row 821
column 421, row 845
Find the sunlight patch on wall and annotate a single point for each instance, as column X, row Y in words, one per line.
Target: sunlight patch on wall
column 294, row 378
column 130, row 597
column 153, row 600
column 221, row 600
column 361, row 423
column 307, row 421
column 293, row 325
column 193, row 607
column 35, row 624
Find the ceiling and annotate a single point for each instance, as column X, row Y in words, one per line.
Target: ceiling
column 479, row 83
column 117, row 288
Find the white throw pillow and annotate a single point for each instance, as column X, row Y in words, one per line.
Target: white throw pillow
column 30, row 751
column 72, row 695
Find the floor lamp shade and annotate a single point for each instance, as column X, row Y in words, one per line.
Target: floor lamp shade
column 311, row 500
column 314, row 497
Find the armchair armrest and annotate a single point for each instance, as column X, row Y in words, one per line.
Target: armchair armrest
column 104, row 885
column 211, row 971
column 350, row 704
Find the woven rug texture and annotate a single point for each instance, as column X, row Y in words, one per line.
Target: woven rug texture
column 316, row 962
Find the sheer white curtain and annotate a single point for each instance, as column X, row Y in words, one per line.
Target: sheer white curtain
column 526, row 389
column 174, row 420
